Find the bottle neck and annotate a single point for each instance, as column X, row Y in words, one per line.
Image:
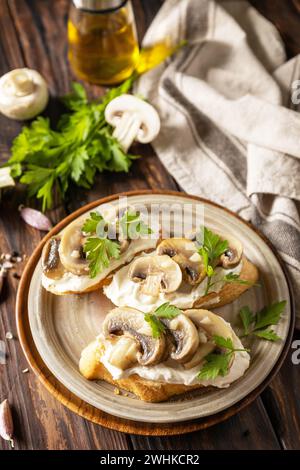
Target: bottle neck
column 99, row 6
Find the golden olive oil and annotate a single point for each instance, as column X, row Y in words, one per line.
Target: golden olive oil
column 103, row 47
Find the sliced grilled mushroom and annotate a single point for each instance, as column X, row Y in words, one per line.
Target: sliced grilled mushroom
column 71, row 247
column 233, row 254
column 124, row 352
column 51, row 264
column 185, row 336
column 131, row 322
column 208, row 324
column 185, row 254
column 156, row 274
column 71, row 251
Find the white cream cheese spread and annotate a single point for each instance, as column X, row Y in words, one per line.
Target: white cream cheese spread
column 174, row 373
column 124, row 292
column 73, row 283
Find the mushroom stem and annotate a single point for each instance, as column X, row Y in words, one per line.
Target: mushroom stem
column 21, row 83
column 127, row 129
column 124, row 352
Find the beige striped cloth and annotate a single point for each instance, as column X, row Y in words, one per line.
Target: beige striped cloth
column 230, row 131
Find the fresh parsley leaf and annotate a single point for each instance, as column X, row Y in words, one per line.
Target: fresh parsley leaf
column 204, row 255
column 99, row 253
column 235, row 278
column 216, row 364
column 247, row 318
column 76, row 98
column 132, row 226
column 90, row 224
column 269, row 315
column 213, row 245
column 222, row 342
column 211, row 250
column 267, row 334
column 157, row 327
column 167, row 311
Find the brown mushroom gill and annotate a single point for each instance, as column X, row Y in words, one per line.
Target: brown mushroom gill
column 185, row 338
column 146, row 342
column 131, row 322
column 52, row 267
column 155, row 274
column 184, row 252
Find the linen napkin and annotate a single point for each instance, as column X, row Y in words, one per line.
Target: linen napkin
column 227, row 133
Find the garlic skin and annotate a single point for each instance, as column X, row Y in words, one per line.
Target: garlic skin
column 23, row 94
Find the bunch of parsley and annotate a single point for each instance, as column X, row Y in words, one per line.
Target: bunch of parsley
column 80, row 146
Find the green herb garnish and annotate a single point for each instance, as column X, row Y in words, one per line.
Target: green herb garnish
column 258, row 323
column 90, row 224
column 211, row 250
column 131, row 226
column 100, row 249
column 80, row 146
column 166, row 311
column 99, row 253
column 218, row 364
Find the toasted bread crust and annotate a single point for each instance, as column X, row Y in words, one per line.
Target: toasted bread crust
column 230, row 291
column 147, row 390
column 98, row 285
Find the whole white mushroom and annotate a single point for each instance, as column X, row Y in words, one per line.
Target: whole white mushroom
column 23, row 94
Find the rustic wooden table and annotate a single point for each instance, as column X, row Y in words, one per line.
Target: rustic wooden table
column 33, row 34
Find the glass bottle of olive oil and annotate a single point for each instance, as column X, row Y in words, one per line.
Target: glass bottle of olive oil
column 103, row 45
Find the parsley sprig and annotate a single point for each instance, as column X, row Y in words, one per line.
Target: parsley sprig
column 259, row 323
column 100, row 249
column 164, row 311
column 82, row 144
column 218, row 364
column 211, row 250
column 132, row 226
column 99, row 253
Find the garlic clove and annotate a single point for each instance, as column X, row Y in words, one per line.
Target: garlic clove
column 6, row 422
column 35, row 218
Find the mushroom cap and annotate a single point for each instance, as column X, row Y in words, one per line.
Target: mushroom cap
column 184, row 252
column 132, row 322
column 186, row 338
column 71, row 248
column 209, row 324
column 156, row 274
column 23, row 94
column 149, row 118
column 233, row 254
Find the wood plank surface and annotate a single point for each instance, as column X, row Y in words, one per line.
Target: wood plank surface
column 33, row 34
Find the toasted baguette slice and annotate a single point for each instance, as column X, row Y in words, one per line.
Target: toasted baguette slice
column 73, row 284
column 147, row 390
column 230, row 291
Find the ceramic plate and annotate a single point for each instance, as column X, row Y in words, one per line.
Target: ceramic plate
column 61, row 326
